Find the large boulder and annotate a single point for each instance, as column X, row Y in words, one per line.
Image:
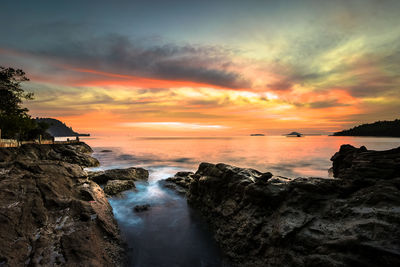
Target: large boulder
column 114, row 187
column 134, row 174
column 51, row 214
column 264, row 220
column 355, row 163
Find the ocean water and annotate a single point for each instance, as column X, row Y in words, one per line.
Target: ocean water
column 170, row 233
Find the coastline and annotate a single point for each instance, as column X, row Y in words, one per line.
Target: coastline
column 58, row 213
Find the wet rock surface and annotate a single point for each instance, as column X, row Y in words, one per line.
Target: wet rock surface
column 114, row 187
column 179, row 183
column 133, row 174
column 263, row 220
column 50, row 213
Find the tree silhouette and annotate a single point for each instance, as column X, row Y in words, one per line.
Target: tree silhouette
column 11, row 93
column 15, row 122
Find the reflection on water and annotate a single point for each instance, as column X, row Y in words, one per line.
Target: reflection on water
column 290, row 157
column 170, row 233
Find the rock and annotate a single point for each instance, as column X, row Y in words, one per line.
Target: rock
column 354, row 163
column 114, row 187
column 134, row 174
column 174, row 187
column 106, row 151
column 264, row 177
column 179, row 183
column 141, row 208
column 263, row 220
column 50, row 213
column 183, row 174
column 75, row 153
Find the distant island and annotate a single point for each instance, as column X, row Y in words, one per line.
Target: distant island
column 294, row 134
column 257, row 134
column 58, row 128
column 379, row 128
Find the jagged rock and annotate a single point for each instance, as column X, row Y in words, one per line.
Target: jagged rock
column 260, row 220
column 355, row 163
column 50, row 213
column 179, row 183
column 141, row 208
column 264, row 177
column 76, row 153
column 114, row 187
column 134, row 174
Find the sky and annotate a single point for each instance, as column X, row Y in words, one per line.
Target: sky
column 206, row 68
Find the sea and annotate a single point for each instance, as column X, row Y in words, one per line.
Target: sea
column 171, row 233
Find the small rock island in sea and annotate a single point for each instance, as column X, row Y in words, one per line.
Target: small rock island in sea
column 294, row 134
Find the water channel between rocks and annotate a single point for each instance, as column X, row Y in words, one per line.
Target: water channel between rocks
column 170, row 233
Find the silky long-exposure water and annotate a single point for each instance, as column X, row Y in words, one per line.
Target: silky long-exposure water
column 170, row 233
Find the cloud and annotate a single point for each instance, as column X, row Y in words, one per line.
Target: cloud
column 281, row 85
column 326, row 104
column 173, row 125
column 302, row 73
column 138, row 57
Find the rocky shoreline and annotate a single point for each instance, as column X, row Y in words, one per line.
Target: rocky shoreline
column 262, row 220
column 51, row 213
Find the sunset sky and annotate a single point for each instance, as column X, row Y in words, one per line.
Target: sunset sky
column 156, row 67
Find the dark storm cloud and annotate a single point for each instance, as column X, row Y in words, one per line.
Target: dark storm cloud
column 120, row 54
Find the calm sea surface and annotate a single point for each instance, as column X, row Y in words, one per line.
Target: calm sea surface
column 171, row 233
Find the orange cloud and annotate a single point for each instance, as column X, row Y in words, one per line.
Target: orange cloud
column 135, row 81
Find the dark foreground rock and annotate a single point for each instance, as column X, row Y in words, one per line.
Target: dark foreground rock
column 50, row 213
column 179, row 183
column 360, row 163
column 77, row 153
column 262, row 220
column 134, row 174
column 114, row 187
